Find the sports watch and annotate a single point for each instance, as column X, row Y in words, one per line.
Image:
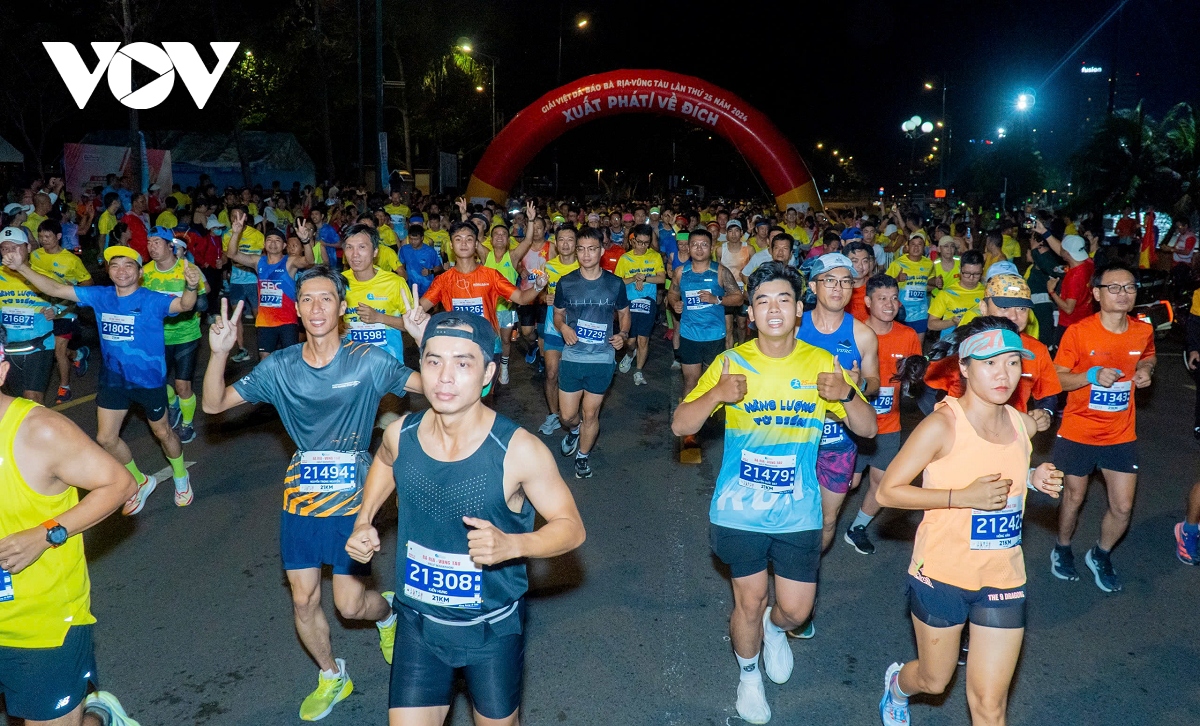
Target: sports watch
column 56, row 534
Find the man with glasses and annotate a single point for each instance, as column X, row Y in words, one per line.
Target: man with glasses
column 958, row 296
column 854, row 345
column 1100, row 360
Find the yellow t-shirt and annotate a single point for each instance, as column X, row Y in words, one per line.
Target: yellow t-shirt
column 649, row 264
column 184, row 200
column 948, row 278
column 954, row 301
column 63, row 266
column 440, row 239
column 106, row 223
column 385, row 292
column 387, row 236
column 400, row 209
column 1010, row 247
column 386, row 259
column 32, row 222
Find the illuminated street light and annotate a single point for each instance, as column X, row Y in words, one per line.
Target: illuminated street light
column 934, row 148
column 820, row 145
column 928, row 86
column 835, row 152
column 479, row 88
column 1024, row 102
column 1000, row 132
column 939, row 124
column 926, row 127
column 582, row 21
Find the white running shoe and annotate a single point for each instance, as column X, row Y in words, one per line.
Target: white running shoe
column 626, row 363
column 777, row 653
column 752, row 702
column 675, row 365
column 137, row 501
column 184, row 496
column 108, row 703
column 892, row 711
column 639, row 379
column 550, row 425
column 504, row 374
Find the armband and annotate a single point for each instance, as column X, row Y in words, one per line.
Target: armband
column 1093, row 375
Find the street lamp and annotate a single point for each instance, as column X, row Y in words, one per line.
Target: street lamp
column 914, row 128
column 581, row 22
column 598, row 178
column 1025, row 101
column 949, row 133
column 465, row 46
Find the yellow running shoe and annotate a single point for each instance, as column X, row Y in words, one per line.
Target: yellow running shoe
column 330, row 691
column 387, row 634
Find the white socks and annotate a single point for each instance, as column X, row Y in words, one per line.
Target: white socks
column 749, row 668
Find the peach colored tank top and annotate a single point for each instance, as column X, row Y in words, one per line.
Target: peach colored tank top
column 967, row 548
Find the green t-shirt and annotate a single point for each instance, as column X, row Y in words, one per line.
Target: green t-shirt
column 184, row 327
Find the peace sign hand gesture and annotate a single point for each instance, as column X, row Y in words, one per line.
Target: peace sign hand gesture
column 416, row 318
column 304, row 229
column 222, row 334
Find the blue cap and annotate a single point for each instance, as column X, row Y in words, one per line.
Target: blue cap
column 416, row 219
column 852, row 233
column 991, row 343
column 1003, row 267
column 163, row 233
column 832, row 261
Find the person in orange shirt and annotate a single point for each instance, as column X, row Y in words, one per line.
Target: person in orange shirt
column 900, row 365
column 863, row 257
column 967, row 563
column 1100, row 360
column 472, row 287
column 1008, row 296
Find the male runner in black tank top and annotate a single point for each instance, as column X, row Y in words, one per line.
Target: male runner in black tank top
column 468, row 483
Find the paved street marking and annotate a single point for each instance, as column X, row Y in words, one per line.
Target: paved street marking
column 73, row 403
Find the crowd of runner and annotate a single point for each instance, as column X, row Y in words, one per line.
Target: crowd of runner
column 805, row 328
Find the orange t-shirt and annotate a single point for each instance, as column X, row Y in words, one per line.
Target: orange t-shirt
column 964, row 547
column 1039, row 379
column 477, row 292
column 899, row 343
column 1102, row 416
column 857, row 307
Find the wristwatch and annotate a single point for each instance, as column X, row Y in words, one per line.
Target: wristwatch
column 56, row 534
column 849, row 396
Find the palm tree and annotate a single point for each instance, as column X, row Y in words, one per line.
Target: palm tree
column 1178, row 139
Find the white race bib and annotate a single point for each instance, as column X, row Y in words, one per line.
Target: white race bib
column 588, row 332
column 1111, row 399
column 640, row 305
column 692, row 301
column 328, row 471
column 468, row 304
column 914, row 294
column 116, row 328
column 17, row 318
column 884, row 400
column 774, row 474
column 1000, row 530
column 440, row 578
column 270, row 294
column 832, row 433
column 373, row 333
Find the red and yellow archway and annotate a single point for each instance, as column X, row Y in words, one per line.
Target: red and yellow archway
column 645, row 91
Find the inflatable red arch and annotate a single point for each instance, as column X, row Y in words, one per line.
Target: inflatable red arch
column 645, row 91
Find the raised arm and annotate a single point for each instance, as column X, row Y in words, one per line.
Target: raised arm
column 237, row 223
column 18, row 261
column 296, row 263
column 222, row 337
column 187, row 301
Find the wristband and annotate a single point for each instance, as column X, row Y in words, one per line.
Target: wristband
column 1093, row 375
column 1029, row 480
column 849, row 396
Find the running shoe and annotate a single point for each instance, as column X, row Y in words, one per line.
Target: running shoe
column 1102, row 571
column 805, row 633
column 137, row 501
column 639, row 379
column 64, row 395
column 330, row 690
column 504, row 374
column 669, row 335
column 550, row 425
column 752, row 702
column 531, row 356
column 241, row 356
column 570, row 444
column 1062, row 564
column 80, row 364
column 857, row 538
column 187, row 434
column 583, row 470
column 107, row 703
column 626, row 363
column 777, row 653
column 387, row 634
column 175, row 413
column 184, row 497
column 893, row 711
column 676, row 365
column 1185, row 545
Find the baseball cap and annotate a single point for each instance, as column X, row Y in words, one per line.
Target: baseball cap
column 852, row 233
column 889, row 230
column 122, row 251
column 162, row 233
column 627, row 217
column 1009, row 291
column 832, row 261
column 1075, row 246
column 734, row 223
column 213, row 223
column 945, row 239
column 991, row 343
column 654, row 210
column 275, row 232
column 416, row 219
column 762, row 221
column 1003, row 267
column 17, row 208
column 449, row 323
column 16, row 235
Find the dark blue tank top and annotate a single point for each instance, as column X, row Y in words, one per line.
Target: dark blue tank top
column 840, row 343
column 434, row 574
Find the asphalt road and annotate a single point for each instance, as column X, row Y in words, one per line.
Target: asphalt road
column 195, row 622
